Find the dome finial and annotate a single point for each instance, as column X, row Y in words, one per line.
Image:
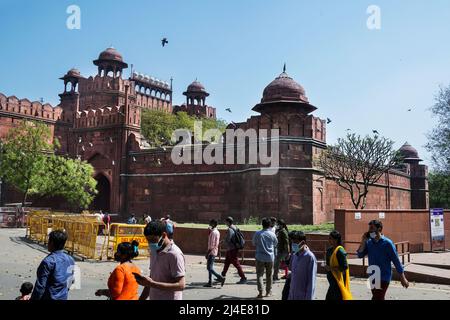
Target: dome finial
column 284, row 68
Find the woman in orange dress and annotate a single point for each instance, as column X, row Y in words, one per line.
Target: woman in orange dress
column 122, row 283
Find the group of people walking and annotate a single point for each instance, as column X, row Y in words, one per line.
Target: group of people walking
column 275, row 249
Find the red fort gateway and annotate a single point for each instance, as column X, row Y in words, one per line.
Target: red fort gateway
column 99, row 119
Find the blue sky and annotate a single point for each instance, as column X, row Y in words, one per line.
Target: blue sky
column 361, row 79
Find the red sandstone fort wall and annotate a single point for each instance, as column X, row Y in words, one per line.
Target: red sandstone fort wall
column 13, row 111
column 380, row 196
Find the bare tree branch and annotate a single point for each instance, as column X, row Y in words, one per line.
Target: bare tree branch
column 355, row 163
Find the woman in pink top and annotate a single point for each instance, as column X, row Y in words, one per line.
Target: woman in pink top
column 213, row 250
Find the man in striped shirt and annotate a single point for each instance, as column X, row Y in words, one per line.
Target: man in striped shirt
column 213, row 250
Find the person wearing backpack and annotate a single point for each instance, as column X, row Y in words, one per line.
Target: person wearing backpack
column 234, row 242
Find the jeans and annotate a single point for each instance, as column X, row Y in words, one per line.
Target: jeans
column 210, row 268
column 231, row 257
column 261, row 268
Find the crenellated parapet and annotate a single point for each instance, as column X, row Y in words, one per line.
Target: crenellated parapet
column 107, row 116
column 24, row 108
column 151, row 93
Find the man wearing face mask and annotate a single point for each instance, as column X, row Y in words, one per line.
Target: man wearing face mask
column 303, row 267
column 381, row 252
column 167, row 266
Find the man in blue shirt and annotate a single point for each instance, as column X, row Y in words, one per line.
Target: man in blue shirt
column 381, row 252
column 55, row 273
column 265, row 242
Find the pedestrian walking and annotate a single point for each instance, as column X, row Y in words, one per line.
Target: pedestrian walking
column 338, row 274
column 56, row 272
column 122, row 283
column 234, row 242
column 282, row 252
column 303, row 267
column 265, row 242
column 167, row 266
column 381, row 252
column 213, row 250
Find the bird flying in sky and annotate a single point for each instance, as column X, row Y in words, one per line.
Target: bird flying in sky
column 164, row 42
column 228, row 109
column 375, row 131
column 328, row 120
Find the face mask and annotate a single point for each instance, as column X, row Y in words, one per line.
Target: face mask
column 373, row 235
column 295, row 247
column 156, row 245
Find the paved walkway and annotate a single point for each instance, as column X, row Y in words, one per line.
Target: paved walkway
column 20, row 260
column 441, row 259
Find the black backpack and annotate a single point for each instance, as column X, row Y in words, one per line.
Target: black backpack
column 238, row 239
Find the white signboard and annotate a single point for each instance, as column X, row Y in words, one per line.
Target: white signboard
column 437, row 229
column 381, row 215
column 357, row 215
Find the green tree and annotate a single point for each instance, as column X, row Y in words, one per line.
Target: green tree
column 355, row 163
column 439, row 186
column 70, row 179
column 24, row 155
column 158, row 126
column 28, row 163
column 439, row 138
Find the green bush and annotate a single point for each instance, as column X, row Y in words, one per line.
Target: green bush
column 251, row 221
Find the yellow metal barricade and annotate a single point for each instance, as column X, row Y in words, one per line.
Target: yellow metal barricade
column 37, row 225
column 82, row 235
column 82, row 231
column 121, row 232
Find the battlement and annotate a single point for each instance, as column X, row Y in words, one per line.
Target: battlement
column 150, row 82
column 27, row 109
column 151, row 93
column 107, row 116
column 102, row 83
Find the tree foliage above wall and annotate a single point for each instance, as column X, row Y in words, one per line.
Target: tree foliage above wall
column 28, row 163
column 158, row 126
column 439, row 186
